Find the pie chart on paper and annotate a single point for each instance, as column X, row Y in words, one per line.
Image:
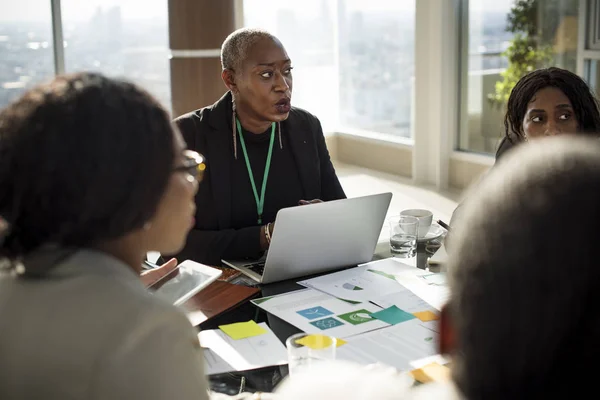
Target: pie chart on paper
column 349, row 286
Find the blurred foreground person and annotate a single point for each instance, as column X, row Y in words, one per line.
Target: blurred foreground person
column 521, row 321
column 92, row 177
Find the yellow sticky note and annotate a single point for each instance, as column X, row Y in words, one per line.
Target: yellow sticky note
column 426, row 316
column 433, row 372
column 242, row 330
column 317, row 342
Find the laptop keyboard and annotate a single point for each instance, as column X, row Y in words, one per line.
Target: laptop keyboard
column 258, row 267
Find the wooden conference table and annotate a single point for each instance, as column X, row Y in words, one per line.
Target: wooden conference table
column 224, row 303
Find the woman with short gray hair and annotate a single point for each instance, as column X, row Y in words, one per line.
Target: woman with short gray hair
column 264, row 154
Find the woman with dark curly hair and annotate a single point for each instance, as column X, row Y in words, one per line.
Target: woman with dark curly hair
column 547, row 102
column 92, row 176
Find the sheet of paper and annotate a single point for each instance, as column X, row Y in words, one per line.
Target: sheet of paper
column 433, row 290
column 242, row 330
column 362, row 283
column 224, row 354
column 434, row 294
column 316, row 312
column 396, row 346
column 386, row 283
column 435, row 279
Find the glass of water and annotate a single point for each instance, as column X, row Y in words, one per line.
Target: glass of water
column 306, row 349
column 403, row 235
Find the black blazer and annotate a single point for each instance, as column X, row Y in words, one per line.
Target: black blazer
column 209, row 132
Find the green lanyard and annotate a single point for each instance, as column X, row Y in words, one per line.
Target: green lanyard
column 260, row 202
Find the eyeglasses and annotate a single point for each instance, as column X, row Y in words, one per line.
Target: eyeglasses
column 193, row 164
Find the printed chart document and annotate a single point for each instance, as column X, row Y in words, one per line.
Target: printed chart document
column 363, row 283
column 316, row 312
column 431, row 287
column 388, row 283
column 397, row 346
column 224, row 354
column 355, row 284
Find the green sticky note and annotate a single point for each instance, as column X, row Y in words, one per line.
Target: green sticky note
column 393, row 315
column 242, row 330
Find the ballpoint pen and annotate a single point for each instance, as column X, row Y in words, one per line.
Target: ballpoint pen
column 443, row 225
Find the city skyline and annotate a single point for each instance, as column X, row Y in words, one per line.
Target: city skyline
column 368, row 78
column 78, row 11
column 106, row 42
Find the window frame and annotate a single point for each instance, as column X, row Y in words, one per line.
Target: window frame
column 440, row 56
column 57, row 37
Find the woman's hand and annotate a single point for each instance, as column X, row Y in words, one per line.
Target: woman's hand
column 306, row 202
column 150, row 277
column 264, row 243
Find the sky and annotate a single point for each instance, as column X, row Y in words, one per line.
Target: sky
column 82, row 10
column 78, row 10
column 490, row 5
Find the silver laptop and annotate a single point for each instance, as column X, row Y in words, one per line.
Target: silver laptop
column 320, row 237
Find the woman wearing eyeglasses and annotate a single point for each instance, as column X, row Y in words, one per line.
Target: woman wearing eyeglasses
column 92, row 177
column 264, row 154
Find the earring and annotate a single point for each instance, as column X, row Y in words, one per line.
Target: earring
column 233, row 129
column 147, row 226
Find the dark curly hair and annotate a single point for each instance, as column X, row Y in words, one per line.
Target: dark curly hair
column 524, row 277
column 83, row 159
column 585, row 105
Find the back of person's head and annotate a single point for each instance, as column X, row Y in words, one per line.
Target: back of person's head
column 83, row 159
column 585, row 105
column 524, row 276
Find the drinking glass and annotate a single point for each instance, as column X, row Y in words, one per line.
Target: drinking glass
column 403, row 235
column 306, row 349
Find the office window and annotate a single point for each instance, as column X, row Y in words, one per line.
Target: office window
column 353, row 60
column 306, row 29
column 504, row 40
column 26, row 52
column 376, row 65
column 127, row 39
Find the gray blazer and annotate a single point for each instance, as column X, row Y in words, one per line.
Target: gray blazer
column 91, row 330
